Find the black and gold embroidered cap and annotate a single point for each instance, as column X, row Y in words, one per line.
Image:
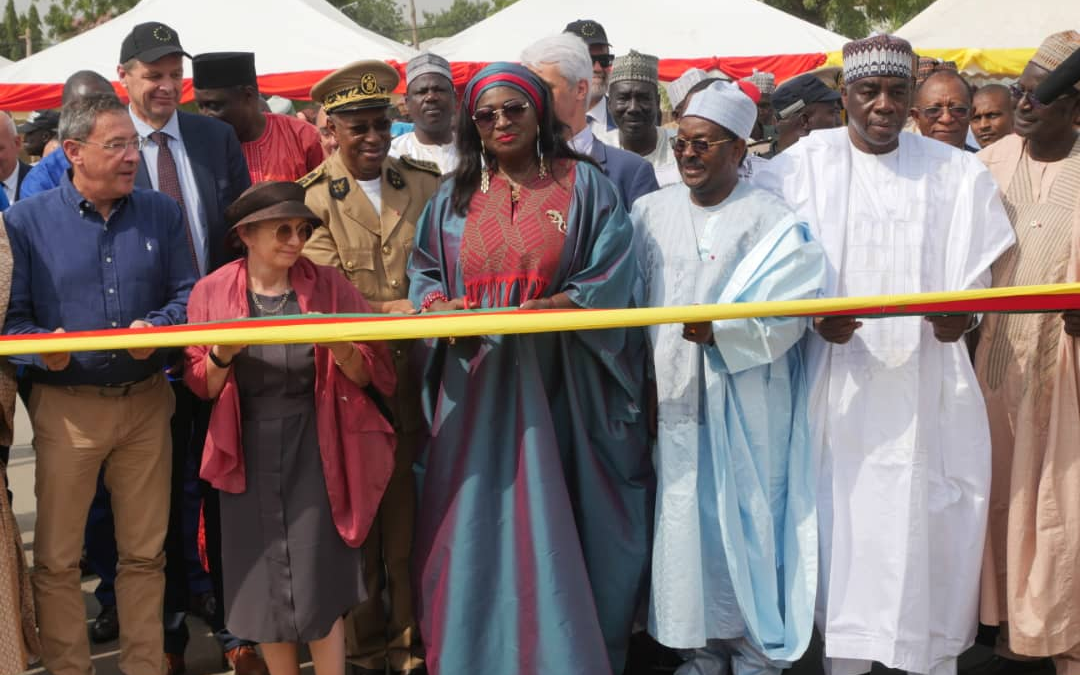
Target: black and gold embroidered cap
column 357, row 86
column 149, row 42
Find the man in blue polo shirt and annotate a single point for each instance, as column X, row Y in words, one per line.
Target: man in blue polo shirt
column 98, row 254
column 47, row 174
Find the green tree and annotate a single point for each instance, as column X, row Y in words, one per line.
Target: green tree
column 454, row 19
column 499, row 5
column 12, row 44
column 381, row 16
column 853, row 18
column 66, row 18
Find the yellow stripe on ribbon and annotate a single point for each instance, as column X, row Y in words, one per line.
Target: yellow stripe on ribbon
column 362, row 328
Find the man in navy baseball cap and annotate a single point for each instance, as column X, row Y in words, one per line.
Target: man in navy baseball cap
column 803, row 104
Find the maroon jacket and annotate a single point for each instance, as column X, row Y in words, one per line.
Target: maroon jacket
column 355, row 441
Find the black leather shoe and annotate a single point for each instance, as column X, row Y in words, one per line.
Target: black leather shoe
column 106, row 626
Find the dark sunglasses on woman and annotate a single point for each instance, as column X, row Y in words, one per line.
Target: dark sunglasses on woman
column 513, row 111
column 285, row 232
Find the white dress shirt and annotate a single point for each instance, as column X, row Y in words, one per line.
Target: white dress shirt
column 582, row 141
column 11, row 184
column 598, row 117
column 188, row 188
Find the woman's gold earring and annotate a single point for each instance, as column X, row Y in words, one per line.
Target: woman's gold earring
column 485, row 172
column 540, row 154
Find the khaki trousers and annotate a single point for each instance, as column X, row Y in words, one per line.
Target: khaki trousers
column 76, row 431
column 373, row 639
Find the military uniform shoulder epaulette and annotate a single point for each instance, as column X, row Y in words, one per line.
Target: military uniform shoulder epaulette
column 313, row 177
column 430, row 167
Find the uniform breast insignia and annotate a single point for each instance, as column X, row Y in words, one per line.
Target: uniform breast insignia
column 430, row 167
column 339, row 187
column 311, row 178
column 395, row 179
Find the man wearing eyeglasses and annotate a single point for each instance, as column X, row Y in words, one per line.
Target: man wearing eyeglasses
column 942, row 108
column 370, row 203
column 1029, row 366
column 595, row 38
column 96, row 254
column 732, row 432
column 898, row 421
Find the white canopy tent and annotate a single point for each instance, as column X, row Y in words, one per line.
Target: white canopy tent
column 676, row 33
column 295, row 42
column 989, row 24
column 988, row 37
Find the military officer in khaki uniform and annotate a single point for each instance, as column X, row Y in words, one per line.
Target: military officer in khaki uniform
column 370, row 203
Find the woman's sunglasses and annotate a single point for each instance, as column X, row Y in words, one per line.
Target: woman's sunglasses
column 285, row 232
column 513, row 111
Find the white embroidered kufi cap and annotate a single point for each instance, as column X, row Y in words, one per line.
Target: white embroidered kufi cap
column 725, row 104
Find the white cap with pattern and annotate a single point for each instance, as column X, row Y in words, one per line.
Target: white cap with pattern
column 725, row 104
column 678, row 89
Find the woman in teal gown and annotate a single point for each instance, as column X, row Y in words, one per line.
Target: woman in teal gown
column 536, row 483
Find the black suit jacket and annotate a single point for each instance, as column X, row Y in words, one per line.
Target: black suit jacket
column 221, row 174
column 24, row 169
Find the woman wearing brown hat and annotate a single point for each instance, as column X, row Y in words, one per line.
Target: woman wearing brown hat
column 296, row 442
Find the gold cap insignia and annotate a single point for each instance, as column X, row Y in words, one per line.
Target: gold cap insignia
column 162, row 34
column 364, row 84
column 588, row 29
